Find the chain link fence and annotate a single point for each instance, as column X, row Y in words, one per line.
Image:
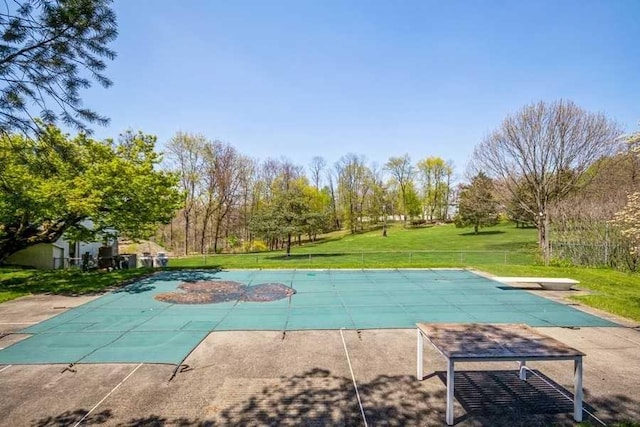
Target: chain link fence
column 363, row 259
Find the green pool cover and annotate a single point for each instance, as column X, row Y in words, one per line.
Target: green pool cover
column 130, row 325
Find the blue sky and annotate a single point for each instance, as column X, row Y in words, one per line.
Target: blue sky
column 378, row 78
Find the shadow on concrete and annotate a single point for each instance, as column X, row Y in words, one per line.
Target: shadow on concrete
column 319, row 398
column 502, row 393
column 70, row 418
column 519, row 288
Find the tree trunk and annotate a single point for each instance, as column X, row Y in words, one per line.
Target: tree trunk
column 543, row 238
column 186, row 235
column 475, row 228
column 215, row 238
column 288, row 244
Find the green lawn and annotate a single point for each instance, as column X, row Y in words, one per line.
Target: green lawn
column 501, row 250
column 436, row 246
column 15, row 283
column 613, row 291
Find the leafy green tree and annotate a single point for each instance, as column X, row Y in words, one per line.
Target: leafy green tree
column 435, row 175
column 53, row 184
column 50, row 50
column 284, row 216
column 412, row 201
column 477, row 206
column 519, row 208
column 318, row 217
column 402, row 171
column 281, row 215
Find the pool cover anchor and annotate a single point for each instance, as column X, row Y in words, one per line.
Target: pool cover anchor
column 69, row 368
column 183, row 367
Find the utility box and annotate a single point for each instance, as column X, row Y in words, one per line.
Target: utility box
column 161, row 259
column 126, row 261
column 105, row 257
column 133, row 261
column 146, row 260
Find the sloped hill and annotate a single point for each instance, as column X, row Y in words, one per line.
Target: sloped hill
column 130, row 247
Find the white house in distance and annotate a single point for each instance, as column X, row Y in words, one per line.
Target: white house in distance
column 60, row 254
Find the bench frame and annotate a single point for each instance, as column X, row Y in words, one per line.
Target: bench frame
column 522, row 356
column 548, row 283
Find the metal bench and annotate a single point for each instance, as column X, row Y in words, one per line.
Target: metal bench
column 495, row 343
column 548, row 283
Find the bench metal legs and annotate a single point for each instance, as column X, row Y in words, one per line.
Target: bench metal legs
column 577, row 398
column 523, row 370
column 577, row 383
column 577, row 377
column 420, row 356
column 450, row 388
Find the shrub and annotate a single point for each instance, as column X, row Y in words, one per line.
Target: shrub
column 254, row 246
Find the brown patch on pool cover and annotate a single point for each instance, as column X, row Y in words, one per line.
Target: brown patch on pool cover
column 209, row 292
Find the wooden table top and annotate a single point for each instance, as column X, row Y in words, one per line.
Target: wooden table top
column 484, row 341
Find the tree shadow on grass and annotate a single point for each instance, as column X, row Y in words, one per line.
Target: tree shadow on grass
column 482, row 233
column 73, row 282
column 319, row 398
column 297, row 257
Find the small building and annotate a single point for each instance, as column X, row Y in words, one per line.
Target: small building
column 60, row 254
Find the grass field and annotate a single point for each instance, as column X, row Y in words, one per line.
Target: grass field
column 501, row 250
column 15, row 283
column 437, row 246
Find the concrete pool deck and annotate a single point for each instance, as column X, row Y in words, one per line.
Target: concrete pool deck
column 307, row 378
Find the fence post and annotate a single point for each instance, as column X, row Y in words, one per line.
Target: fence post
column 505, row 257
column 309, row 258
column 410, row 257
column 362, row 255
column 461, row 257
column 606, row 244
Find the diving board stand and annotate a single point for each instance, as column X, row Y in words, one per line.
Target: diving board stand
column 548, row 283
column 495, row 343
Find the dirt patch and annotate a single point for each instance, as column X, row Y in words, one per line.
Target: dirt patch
column 212, row 292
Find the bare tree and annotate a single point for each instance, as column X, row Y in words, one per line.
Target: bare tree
column 378, row 202
column 222, row 181
column 248, row 180
column 318, row 164
column 335, row 219
column 185, row 152
column 354, row 183
column 544, row 150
